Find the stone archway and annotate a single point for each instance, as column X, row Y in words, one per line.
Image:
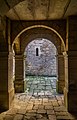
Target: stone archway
column 26, row 36
column 46, row 28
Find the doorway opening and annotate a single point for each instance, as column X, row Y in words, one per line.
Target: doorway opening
column 41, row 68
column 41, row 72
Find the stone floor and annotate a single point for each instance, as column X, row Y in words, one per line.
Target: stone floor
column 39, row 102
column 39, row 86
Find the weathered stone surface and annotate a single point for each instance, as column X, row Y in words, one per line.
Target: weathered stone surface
column 18, row 117
column 52, row 117
column 41, row 111
column 2, row 115
column 29, row 107
column 45, row 62
column 38, row 111
column 35, row 107
column 55, row 103
column 31, row 111
column 39, row 116
column 30, row 114
column 48, row 107
column 12, row 111
column 63, row 117
column 61, row 113
column 8, row 117
column 22, row 111
column 41, row 106
column 41, row 86
column 60, row 108
column 50, row 112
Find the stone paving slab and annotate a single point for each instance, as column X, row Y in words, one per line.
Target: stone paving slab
column 48, row 107
column 18, row 117
column 50, row 112
column 31, row 106
column 39, row 109
column 41, row 83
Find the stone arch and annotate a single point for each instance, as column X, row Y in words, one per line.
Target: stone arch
column 50, row 36
column 46, row 28
column 45, row 32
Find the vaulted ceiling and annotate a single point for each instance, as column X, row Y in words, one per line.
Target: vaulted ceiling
column 38, row 9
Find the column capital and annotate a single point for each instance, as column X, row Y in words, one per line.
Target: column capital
column 19, row 56
column 60, row 55
column 65, row 53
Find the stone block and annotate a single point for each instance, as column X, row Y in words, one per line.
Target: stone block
column 50, row 112
column 52, row 117
column 48, row 107
column 18, row 117
column 41, row 111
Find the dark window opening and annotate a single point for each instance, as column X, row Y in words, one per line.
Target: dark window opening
column 37, row 52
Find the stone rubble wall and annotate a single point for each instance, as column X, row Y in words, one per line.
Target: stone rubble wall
column 45, row 62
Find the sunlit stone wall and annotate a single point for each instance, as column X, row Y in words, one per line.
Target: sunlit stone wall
column 43, row 60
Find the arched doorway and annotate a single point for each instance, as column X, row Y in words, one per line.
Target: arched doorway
column 41, row 67
column 19, row 47
column 27, row 35
column 40, row 104
column 8, row 81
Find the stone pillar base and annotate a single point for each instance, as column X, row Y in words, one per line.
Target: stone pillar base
column 20, row 86
column 6, row 99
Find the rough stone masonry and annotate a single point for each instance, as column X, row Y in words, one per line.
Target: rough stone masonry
column 41, row 58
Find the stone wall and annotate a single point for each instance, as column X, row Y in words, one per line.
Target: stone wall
column 45, row 62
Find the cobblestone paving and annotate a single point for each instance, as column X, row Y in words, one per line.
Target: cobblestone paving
column 39, row 86
column 39, row 102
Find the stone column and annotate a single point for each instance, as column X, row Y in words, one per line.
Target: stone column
column 19, row 74
column 66, row 81
column 6, row 80
column 70, row 91
column 71, row 66
column 6, row 68
column 61, row 74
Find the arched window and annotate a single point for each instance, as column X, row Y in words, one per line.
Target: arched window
column 37, row 52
